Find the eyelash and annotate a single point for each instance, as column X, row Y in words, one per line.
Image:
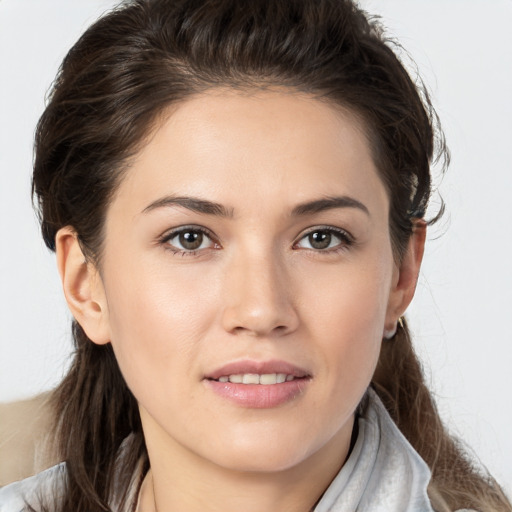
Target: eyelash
column 345, row 240
column 167, row 237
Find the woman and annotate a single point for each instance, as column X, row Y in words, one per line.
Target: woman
column 236, row 194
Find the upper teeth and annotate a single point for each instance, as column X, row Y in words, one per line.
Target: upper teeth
column 255, row 378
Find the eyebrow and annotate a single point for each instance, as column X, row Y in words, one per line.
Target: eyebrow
column 328, row 203
column 190, row 203
column 211, row 208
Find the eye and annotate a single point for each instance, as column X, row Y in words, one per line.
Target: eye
column 322, row 239
column 188, row 240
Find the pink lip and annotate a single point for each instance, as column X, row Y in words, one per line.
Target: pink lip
column 260, row 367
column 258, row 396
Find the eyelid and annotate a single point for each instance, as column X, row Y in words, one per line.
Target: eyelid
column 171, row 233
column 346, row 237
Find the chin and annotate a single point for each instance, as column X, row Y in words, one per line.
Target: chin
column 259, row 464
column 266, row 454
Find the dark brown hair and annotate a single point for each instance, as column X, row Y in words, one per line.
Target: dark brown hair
column 113, row 85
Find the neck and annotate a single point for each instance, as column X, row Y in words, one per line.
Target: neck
column 183, row 481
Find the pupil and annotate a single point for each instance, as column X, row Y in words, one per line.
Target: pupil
column 191, row 240
column 320, row 239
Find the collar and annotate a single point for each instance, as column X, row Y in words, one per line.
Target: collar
column 383, row 472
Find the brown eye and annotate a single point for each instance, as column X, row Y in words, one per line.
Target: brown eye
column 191, row 240
column 325, row 239
column 188, row 240
column 320, row 239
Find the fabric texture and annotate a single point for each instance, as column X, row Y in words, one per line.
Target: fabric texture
column 383, row 474
column 25, row 426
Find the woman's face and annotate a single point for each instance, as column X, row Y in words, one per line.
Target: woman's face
column 249, row 242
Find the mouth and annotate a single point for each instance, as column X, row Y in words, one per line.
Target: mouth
column 264, row 379
column 258, row 372
column 259, row 385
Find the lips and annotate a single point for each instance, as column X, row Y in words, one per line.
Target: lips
column 265, row 379
column 260, row 368
column 258, row 385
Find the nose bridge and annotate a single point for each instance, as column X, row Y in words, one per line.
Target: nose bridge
column 258, row 301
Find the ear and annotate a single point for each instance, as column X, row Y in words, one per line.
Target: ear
column 83, row 287
column 405, row 276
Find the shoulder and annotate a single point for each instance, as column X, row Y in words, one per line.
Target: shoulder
column 43, row 488
column 399, row 452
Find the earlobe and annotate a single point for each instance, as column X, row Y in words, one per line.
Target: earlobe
column 82, row 287
column 406, row 278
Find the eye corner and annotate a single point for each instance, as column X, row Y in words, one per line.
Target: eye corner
column 324, row 242
column 177, row 241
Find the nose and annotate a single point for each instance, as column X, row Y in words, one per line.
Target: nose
column 258, row 298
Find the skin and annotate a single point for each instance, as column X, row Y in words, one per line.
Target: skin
column 256, row 289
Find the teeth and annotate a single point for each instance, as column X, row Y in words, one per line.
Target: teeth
column 254, row 378
column 251, row 378
column 268, row 378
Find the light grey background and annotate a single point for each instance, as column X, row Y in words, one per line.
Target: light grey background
column 462, row 312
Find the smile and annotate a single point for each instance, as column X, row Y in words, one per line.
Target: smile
column 258, row 384
column 264, row 379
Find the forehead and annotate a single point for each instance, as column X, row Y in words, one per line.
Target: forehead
column 254, row 145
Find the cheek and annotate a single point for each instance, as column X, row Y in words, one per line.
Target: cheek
column 348, row 319
column 350, row 301
column 157, row 323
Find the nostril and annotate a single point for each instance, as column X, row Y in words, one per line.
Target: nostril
column 256, row 331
